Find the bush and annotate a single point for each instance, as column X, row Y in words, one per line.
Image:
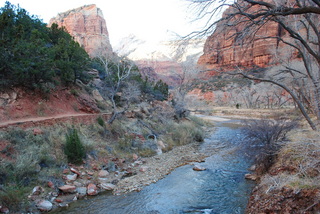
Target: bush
column 101, row 121
column 269, row 131
column 74, row 148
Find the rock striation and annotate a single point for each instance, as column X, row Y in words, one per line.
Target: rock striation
column 88, row 27
column 224, row 50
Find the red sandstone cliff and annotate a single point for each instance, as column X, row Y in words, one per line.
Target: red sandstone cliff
column 223, row 51
column 168, row 71
column 87, row 25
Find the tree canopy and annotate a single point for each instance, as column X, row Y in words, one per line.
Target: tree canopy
column 31, row 54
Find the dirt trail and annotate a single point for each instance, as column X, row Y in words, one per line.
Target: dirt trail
column 4, row 124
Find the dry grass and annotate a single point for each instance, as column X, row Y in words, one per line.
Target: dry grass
column 298, row 163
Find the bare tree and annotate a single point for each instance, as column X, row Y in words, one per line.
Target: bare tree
column 185, row 84
column 246, row 20
column 117, row 70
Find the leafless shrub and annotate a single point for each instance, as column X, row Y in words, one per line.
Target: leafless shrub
column 269, row 132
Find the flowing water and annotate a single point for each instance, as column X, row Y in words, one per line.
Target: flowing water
column 219, row 189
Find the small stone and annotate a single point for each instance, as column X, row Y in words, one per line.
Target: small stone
column 58, row 200
column 92, row 189
column 103, row 173
column 37, row 131
column 135, row 157
column 37, row 190
column 253, row 167
column 68, row 189
column 198, row 168
column 90, row 173
column 4, row 210
column 82, row 191
column 250, row 177
column 107, row 186
column 54, row 194
column 44, row 205
column 72, row 177
column 75, row 171
column 103, row 180
column 51, row 184
column 65, row 171
column 77, row 184
column 143, row 169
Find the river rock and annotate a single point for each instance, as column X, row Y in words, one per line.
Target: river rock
column 82, row 191
column 198, row 168
column 250, row 177
column 103, row 173
column 37, row 190
column 68, row 189
column 135, row 157
column 50, row 184
column 92, row 189
column 143, row 169
column 44, row 205
column 253, row 168
column 72, row 177
column 4, row 210
column 107, row 186
column 75, row 171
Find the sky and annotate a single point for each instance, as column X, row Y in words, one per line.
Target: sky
column 150, row 21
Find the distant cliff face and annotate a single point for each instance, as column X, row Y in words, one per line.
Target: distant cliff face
column 223, row 51
column 87, row 25
column 167, row 71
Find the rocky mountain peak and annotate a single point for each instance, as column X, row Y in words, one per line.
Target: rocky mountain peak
column 88, row 26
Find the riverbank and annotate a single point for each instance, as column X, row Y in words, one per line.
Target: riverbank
column 157, row 167
column 291, row 182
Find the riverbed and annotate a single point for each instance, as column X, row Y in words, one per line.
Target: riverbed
column 221, row 188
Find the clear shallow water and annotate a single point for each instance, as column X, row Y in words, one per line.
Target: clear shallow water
column 220, row 189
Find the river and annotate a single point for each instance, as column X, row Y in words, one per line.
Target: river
column 221, row 188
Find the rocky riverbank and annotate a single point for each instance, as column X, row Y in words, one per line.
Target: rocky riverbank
column 291, row 183
column 124, row 176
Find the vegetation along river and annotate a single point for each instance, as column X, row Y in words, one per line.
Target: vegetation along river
column 221, row 188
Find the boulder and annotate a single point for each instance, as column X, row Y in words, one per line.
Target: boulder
column 68, row 189
column 92, row 189
column 44, row 205
column 198, row 168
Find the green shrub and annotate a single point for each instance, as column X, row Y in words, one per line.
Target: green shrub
column 74, row 148
column 101, row 121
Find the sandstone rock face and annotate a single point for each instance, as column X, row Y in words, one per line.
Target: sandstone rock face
column 223, row 50
column 87, row 25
